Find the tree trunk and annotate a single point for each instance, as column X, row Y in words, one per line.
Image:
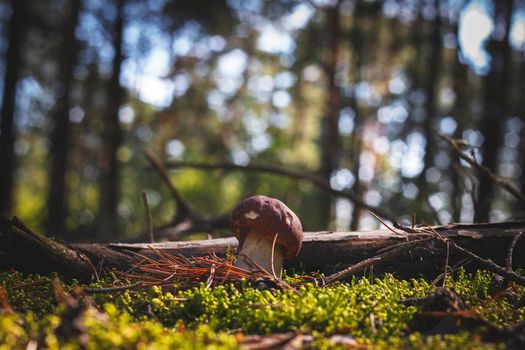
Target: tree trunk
column 112, row 138
column 460, row 112
column 432, row 56
column 495, row 105
column 521, row 111
column 321, row 251
column 61, row 135
column 330, row 139
column 357, row 43
column 7, row 128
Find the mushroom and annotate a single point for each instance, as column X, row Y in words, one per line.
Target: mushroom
column 267, row 231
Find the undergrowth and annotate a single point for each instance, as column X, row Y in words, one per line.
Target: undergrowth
column 371, row 312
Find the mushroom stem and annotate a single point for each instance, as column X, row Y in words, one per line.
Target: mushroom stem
column 259, row 249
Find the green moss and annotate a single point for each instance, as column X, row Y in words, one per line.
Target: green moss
column 371, row 312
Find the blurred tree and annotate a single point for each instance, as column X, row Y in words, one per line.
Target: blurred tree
column 461, row 113
column 431, row 58
column 363, row 33
column 61, row 134
column 112, row 135
column 495, row 103
column 7, row 126
column 350, row 89
column 330, row 139
column 521, row 113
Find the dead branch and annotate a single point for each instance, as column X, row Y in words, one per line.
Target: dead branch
column 326, row 252
column 149, row 216
column 315, row 180
column 186, row 220
column 22, row 248
column 486, row 264
column 373, row 261
column 183, row 208
column 499, row 181
column 512, row 245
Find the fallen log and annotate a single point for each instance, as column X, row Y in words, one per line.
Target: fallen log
column 327, row 252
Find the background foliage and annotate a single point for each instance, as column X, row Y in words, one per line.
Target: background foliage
column 354, row 91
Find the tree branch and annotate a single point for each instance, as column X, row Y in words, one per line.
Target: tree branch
column 186, row 219
column 507, row 186
column 278, row 170
column 183, row 208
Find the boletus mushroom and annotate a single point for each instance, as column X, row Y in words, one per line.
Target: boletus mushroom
column 258, row 222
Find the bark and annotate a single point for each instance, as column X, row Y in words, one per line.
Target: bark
column 495, row 105
column 321, row 251
column 112, row 138
column 330, row 139
column 23, row 249
column 7, row 134
column 60, row 137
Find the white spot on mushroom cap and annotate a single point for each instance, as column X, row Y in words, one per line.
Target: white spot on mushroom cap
column 288, row 219
column 251, row 215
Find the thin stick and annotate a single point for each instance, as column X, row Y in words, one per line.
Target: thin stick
column 406, row 229
column 273, row 251
column 4, row 301
column 360, row 266
column 386, row 249
column 484, row 263
column 113, row 289
column 511, row 250
column 149, row 216
column 446, row 265
column 384, row 223
column 183, row 209
column 507, row 186
column 278, row 170
column 452, row 269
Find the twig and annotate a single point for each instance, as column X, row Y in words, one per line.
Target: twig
column 149, row 216
column 384, row 223
column 483, row 169
column 484, row 263
column 294, row 174
column 4, row 301
column 273, row 252
column 183, row 209
column 31, row 284
column 389, row 248
column 113, row 289
column 85, row 258
column 360, row 266
column 446, row 265
column 406, row 228
column 186, row 220
column 460, row 263
column 510, row 252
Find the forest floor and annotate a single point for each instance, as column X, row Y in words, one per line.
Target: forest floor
column 474, row 311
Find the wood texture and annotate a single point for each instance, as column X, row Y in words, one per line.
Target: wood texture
column 326, row 252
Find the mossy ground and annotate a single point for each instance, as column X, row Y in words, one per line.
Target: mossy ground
column 371, row 312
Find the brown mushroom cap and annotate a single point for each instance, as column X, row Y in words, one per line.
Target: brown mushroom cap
column 268, row 216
